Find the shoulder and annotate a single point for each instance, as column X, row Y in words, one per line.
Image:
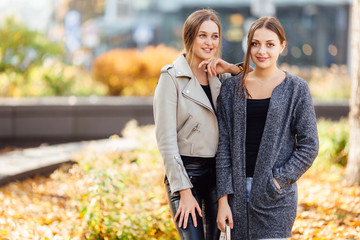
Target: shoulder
column 167, row 77
column 232, row 82
column 296, row 81
column 167, row 67
column 298, row 89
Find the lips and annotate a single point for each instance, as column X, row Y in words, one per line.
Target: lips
column 207, row 50
column 261, row 59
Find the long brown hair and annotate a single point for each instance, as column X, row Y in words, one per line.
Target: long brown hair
column 192, row 26
column 270, row 23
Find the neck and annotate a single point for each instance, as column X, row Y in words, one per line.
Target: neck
column 265, row 74
column 194, row 66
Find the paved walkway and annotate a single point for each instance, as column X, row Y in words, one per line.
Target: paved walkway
column 20, row 164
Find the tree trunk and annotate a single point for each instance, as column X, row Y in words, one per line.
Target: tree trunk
column 353, row 166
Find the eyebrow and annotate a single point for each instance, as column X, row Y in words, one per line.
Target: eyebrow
column 207, row 32
column 270, row 40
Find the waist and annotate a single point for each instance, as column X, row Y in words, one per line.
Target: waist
column 191, row 162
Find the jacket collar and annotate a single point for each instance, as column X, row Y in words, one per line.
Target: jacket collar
column 182, row 68
column 193, row 89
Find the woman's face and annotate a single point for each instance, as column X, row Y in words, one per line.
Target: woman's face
column 265, row 48
column 206, row 42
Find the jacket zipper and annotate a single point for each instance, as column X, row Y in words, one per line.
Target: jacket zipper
column 196, row 128
column 182, row 168
column 200, row 103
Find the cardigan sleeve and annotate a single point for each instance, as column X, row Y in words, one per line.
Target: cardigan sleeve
column 307, row 142
column 223, row 157
column 164, row 107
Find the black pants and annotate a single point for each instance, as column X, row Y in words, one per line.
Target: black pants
column 201, row 172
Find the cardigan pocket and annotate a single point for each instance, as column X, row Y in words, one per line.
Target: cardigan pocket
column 271, row 189
column 273, row 193
column 272, row 183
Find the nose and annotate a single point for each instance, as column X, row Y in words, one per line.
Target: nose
column 262, row 49
column 208, row 40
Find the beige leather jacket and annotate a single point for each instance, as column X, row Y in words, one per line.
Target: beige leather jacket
column 185, row 121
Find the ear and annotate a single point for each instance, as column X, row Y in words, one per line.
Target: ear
column 283, row 45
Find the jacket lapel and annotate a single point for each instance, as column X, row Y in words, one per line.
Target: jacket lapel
column 195, row 93
column 193, row 90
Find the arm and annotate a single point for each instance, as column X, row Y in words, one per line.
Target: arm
column 165, row 105
column 220, row 66
column 223, row 155
column 223, row 163
column 307, row 142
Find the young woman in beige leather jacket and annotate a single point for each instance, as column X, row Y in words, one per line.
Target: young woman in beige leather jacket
column 187, row 128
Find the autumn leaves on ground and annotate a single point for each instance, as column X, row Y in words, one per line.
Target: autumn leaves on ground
column 121, row 196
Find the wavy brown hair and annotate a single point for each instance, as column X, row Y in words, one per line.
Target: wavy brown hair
column 192, row 26
column 270, row 23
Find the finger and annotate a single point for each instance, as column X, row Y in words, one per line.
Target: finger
column 193, row 215
column 199, row 210
column 181, row 219
column 221, row 226
column 213, row 67
column 203, row 63
column 177, row 214
column 186, row 218
column 210, row 69
column 231, row 222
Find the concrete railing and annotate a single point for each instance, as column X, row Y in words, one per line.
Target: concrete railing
column 31, row 121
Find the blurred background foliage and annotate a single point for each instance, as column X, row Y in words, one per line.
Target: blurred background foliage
column 121, row 195
column 129, row 72
column 32, row 66
column 334, row 142
column 117, row 204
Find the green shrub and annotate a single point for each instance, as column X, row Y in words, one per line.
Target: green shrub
column 21, row 48
column 334, row 143
column 124, row 195
column 31, row 66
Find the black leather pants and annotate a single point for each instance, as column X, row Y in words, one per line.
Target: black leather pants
column 202, row 175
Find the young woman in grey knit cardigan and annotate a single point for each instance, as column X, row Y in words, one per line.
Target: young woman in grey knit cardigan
column 267, row 140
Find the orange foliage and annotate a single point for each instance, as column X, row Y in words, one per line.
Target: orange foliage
column 130, row 72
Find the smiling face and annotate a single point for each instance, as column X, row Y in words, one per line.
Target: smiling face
column 206, row 42
column 265, row 48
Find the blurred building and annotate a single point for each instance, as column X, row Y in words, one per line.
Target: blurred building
column 317, row 30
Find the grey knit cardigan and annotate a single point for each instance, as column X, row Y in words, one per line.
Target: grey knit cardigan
column 288, row 148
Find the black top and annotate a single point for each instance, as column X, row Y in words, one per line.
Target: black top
column 255, row 122
column 208, row 93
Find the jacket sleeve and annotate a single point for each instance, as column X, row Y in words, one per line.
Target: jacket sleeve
column 164, row 107
column 307, row 141
column 224, row 176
